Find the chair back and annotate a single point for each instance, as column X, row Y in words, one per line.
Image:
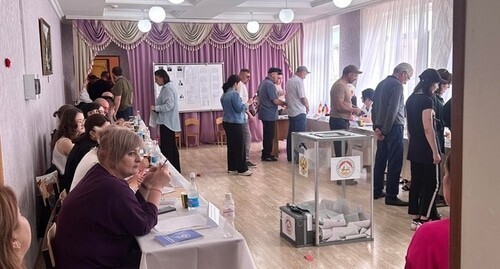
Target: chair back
column 220, row 133
column 191, row 129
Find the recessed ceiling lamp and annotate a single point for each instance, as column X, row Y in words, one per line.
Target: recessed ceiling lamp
column 253, row 25
column 176, row 1
column 157, row 14
column 342, row 3
column 286, row 15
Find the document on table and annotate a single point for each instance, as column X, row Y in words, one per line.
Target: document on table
column 195, row 221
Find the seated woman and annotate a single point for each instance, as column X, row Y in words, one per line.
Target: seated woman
column 100, row 217
column 83, row 144
column 70, row 127
column 429, row 247
column 15, row 232
column 366, row 109
column 84, row 92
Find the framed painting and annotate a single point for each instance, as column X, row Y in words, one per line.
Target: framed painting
column 45, row 47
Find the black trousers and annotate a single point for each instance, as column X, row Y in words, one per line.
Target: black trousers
column 339, row 124
column 168, row 146
column 423, row 190
column 267, row 139
column 236, row 153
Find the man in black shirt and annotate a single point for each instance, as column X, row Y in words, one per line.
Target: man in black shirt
column 100, row 86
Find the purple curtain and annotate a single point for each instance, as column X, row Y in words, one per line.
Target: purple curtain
column 223, row 45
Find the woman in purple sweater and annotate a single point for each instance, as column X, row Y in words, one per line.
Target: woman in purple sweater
column 101, row 215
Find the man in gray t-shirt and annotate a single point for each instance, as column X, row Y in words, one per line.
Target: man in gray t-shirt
column 268, row 111
column 298, row 106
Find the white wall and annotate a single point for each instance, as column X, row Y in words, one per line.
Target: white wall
column 25, row 125
column 481, row 180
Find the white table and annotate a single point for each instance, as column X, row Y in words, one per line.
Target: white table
column 213, row 251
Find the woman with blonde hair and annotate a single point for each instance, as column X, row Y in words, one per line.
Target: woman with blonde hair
column 15, row 232
column 101, row 216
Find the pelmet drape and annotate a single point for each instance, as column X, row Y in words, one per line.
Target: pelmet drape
column 273, row 45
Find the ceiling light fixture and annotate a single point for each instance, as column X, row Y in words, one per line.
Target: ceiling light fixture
column 253, row 25
column 286, row 15
column 176, row 1
column 157, row 14
column 144, row 24
column 342, row 3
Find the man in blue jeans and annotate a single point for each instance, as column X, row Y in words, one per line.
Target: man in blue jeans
column 298, row 106
column 388, row 124
column 342, row 108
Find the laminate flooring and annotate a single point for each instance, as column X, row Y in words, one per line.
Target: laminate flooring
column 259, row 196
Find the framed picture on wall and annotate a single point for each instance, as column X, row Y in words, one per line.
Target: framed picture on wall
column 45, row 46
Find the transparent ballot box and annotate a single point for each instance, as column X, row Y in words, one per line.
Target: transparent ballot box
column 336, row 190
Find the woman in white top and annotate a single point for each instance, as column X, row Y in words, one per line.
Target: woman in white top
column 84, row 92
column 70, row 127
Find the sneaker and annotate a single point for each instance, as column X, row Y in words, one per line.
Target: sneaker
column 251, row 164
column 232, row 172
column 416, row 223
column 246, row 173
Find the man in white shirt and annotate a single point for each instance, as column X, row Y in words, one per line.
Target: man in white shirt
column 297, row 106
column 243, row 91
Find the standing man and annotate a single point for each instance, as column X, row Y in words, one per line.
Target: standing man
column 298, row 106
column 243, row 91
column 342, row 108
column 268, row 111
column 123, row 92
column 388, row 124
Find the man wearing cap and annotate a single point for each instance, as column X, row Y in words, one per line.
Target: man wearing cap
column 298, row 106
column 388, row 124
column 268, row 111
column 341, row 103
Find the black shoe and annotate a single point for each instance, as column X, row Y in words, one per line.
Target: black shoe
column 378, row 196
column 275, row 159
column 267, row 159
column 349, row 182
column 395, row 201
column 251, row 164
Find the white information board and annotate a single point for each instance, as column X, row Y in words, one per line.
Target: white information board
column 198, row 86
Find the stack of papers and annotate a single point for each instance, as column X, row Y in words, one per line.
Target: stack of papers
column 195, row 221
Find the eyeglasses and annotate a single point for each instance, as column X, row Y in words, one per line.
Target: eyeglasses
column 407, row 75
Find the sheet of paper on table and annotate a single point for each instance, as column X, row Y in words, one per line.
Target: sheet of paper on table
column 195, row 221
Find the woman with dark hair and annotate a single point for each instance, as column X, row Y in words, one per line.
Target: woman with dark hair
column 167, row 107
column 423, row 151
column 233, row 119
column 83, row 144
column 85, row 91
column 438, row 103
column 101, row 216
column 70, row 127
column 15, row 232
column 366, row 109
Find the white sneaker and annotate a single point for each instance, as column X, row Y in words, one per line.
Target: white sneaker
column 415, row 224
column 232, row 172
column 246, row 173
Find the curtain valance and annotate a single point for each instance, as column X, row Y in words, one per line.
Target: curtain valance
column 99, row 34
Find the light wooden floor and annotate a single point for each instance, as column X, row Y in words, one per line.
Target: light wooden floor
column 258, row 198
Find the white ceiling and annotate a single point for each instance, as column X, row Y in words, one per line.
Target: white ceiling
column 264, row 11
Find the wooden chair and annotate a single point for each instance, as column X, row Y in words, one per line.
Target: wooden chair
column 178, row 139
column 189, row 125
column 47, row 251
column 219, row 132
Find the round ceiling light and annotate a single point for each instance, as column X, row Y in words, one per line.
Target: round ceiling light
column 253, row 27
column 157, row 14
column 286, row 15
column 176, row 1
column 144, row 26
column 342, row 3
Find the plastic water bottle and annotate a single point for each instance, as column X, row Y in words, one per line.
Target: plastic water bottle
column 229, row 214
column 193, row 201
column 154, row 153
column 138, row 117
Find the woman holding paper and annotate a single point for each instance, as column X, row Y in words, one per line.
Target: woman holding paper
column 167, row 107
column 101, row 215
